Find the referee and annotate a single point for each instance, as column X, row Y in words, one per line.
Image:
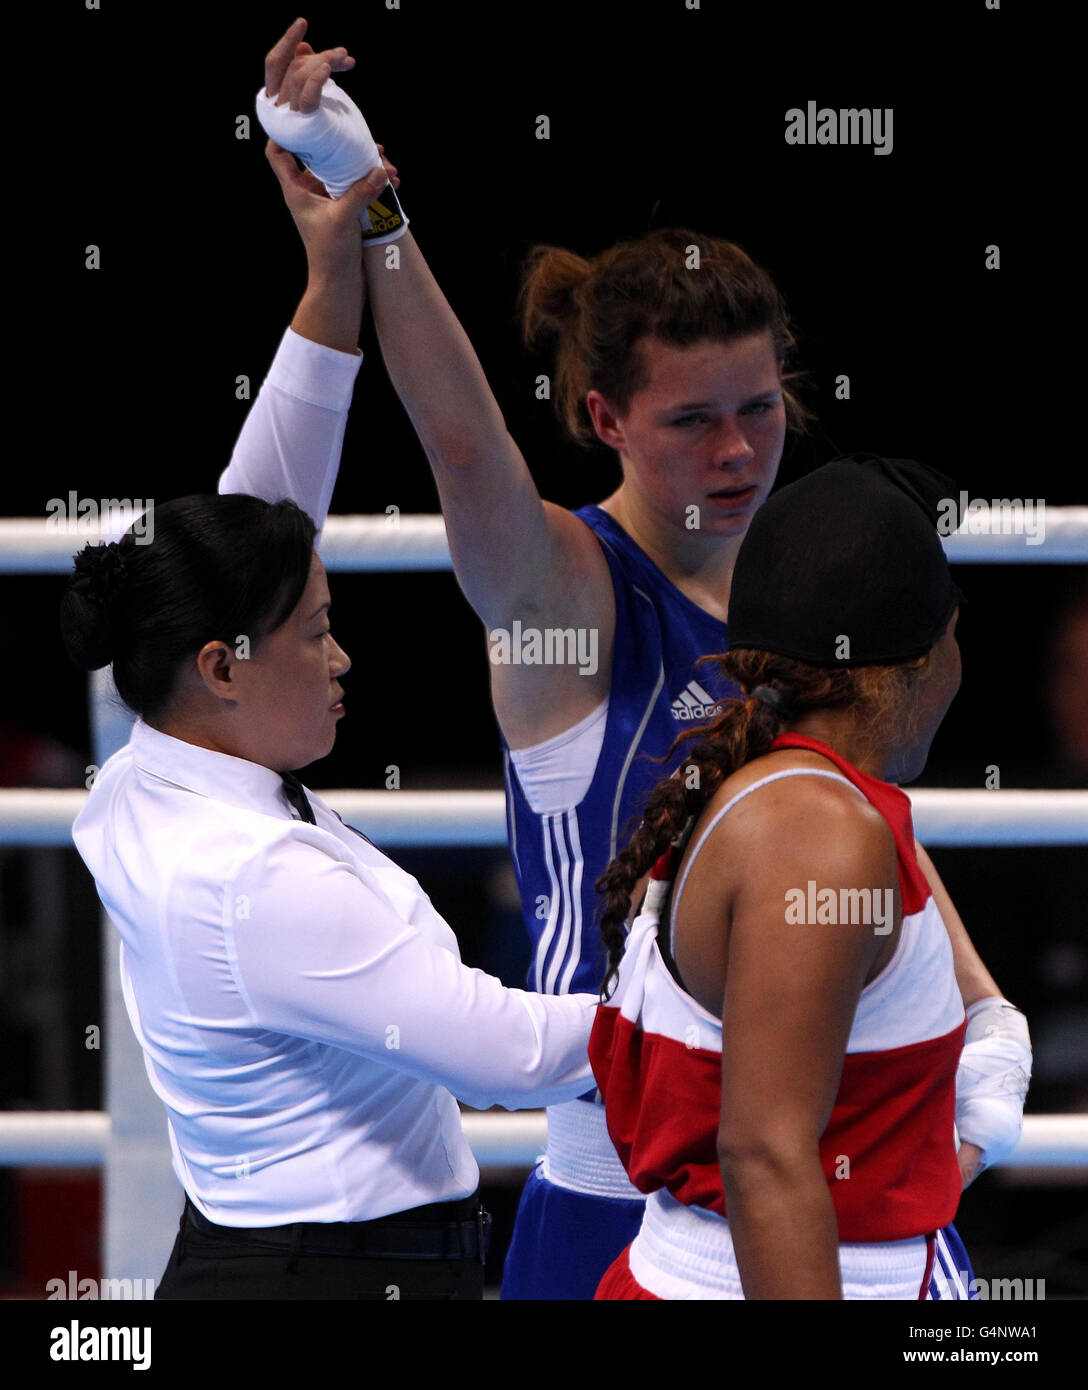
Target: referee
column 303, row 1010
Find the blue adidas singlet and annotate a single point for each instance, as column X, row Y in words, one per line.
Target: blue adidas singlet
column 656, row 692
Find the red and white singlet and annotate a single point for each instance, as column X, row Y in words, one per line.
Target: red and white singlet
column 656, row 1054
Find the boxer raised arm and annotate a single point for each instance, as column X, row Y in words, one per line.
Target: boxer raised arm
column 683, row 376
column 490, row 503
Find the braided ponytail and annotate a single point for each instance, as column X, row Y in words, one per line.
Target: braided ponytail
column 744, row 730
column 777, row 690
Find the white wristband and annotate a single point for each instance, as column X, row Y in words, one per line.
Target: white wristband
column 993, row 1077
column 335, row 144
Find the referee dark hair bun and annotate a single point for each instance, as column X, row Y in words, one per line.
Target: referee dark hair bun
column 209, row 568
column 89, row 611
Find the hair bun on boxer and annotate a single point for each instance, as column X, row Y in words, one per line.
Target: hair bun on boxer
column 845, row 566
column 89, row 610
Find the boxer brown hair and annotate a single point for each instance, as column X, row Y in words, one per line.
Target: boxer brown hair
column 593, row 314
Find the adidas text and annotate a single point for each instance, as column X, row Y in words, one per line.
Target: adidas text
column 695, row 703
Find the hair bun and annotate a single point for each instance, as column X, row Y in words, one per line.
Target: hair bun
column 551, row 277
column 87, row 612
column 101, row 572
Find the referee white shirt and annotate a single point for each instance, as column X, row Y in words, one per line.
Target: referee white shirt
column 303, row 1009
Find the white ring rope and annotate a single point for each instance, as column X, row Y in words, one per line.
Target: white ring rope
column 33, row 545
column 406, row 819
column 499, row 1140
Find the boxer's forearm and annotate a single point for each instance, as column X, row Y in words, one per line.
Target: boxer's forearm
column 331, row 310
column 974, row 980
column 430, row 360
column 782, row 1222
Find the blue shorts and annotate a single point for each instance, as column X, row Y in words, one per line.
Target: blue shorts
column 564, row 1241
column 952, row 1272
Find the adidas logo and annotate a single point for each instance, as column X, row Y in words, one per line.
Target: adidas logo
column 693, row 702
column 382, row 218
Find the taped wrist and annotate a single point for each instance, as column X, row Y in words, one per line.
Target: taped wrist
column 993, row 1077
column 335, row 144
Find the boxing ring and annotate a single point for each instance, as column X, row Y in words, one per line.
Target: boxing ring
column 142, row 1199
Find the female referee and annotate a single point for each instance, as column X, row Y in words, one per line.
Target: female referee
column 303, row 1010
column 682, row 374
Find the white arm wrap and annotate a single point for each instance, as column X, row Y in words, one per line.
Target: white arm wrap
column 992, row 1080
column 335, row 144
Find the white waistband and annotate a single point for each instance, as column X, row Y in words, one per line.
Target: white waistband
column 687, row 1253
column 581, row 1156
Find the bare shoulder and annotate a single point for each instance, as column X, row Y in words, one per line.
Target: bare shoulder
column 799, row 819
column 785, row 835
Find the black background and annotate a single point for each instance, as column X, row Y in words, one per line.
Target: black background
column 651, row 106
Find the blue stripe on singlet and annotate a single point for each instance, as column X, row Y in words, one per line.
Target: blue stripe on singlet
column 659, row 637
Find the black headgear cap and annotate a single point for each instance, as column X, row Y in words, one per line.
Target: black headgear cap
column 845, row 567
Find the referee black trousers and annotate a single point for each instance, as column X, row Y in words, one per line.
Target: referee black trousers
column 219, row 1263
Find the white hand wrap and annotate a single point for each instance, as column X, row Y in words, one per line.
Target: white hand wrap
column 335, row 144
column 992, row 1080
